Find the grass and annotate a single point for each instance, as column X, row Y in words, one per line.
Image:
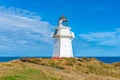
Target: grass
column 27, row 74
column 63, row 69
column 13, row 78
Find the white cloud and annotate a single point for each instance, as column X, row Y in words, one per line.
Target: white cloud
column 103, row 38
column 19, row 28
column 19, row 12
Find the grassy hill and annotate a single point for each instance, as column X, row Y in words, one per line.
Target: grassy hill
column 62, row 69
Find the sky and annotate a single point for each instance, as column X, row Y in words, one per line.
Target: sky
column 26, row 27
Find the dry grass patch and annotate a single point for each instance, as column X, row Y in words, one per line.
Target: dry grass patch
column 62, row 69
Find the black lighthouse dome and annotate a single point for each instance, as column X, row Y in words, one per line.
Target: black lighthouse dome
column 63, row 18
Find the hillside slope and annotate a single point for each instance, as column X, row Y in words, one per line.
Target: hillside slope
column 62, row 69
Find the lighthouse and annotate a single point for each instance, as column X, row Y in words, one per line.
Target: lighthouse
column 62, row 39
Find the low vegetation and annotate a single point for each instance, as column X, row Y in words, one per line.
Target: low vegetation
column 61, row 69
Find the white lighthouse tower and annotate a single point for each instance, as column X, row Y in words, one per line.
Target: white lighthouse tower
column 62, row 39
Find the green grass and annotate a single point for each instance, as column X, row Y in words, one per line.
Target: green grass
column 28, row 74
column 14, row 78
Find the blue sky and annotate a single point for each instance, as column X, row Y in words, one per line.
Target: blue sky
column 26, row 26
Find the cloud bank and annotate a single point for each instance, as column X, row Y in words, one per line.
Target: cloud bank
column 21, row 28
column 103, row 38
